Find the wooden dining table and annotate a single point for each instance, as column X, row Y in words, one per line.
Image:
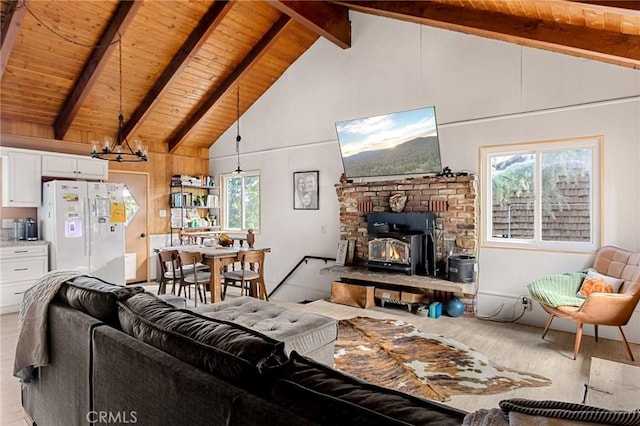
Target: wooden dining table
column 215, row 258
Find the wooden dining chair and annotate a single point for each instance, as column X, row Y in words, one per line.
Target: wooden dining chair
column 169, row 270
column 227, row 264
column 250, row 276
column 197, row 278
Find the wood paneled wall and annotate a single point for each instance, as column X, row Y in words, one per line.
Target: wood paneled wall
column 161, row 165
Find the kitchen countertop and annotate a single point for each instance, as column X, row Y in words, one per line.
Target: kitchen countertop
column 14, row 243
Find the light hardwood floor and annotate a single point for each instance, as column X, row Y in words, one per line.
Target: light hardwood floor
column 10, row 405
column 511, row 345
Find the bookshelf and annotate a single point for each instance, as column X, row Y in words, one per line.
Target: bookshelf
column 194, row 207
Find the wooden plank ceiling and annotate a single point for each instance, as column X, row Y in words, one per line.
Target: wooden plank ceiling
column 184, row 61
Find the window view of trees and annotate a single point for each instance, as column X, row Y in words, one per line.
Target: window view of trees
column 233, row 204
column 242, row 201
column 564, row 177
column 566, row 195
column 130, row 204
column 251, row 202
column 512, row 178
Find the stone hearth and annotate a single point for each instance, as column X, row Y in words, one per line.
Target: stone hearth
column 451, row 199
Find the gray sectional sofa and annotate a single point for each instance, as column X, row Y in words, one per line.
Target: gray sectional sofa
column 119, row 355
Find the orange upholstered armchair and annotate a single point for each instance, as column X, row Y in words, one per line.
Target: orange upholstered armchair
column 604, row 308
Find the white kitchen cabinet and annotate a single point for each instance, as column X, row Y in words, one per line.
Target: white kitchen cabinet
column 74, row 166
column 20, row 267
column 21, row 178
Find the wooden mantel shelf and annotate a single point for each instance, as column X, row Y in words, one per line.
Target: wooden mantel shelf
column 402, row 280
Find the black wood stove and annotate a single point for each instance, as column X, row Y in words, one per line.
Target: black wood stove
column 401, row 242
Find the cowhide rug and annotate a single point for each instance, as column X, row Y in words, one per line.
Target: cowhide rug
column 396, row 355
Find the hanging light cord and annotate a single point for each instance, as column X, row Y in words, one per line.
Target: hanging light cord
column 120, row 68
column 120, row 114
column 238, row 137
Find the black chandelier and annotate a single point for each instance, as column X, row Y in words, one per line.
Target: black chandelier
column 120, row 150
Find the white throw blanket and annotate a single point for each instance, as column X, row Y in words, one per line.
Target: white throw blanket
column 32, row 350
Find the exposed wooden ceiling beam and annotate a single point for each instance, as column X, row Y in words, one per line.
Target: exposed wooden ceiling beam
column 10, row 32
column 330, row 21
column 614, row 48
column 243, row 67
column 625, row 5
column 118, row 24
column 209, row 21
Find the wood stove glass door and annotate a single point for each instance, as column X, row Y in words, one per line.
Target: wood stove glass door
column 389, row 250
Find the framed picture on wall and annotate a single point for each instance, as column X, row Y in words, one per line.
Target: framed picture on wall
column 305, row 190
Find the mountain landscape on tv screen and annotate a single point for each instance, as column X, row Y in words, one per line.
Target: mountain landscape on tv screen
column 419, row 155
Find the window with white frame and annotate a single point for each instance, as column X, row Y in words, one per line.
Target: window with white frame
column 241, row 201
column 542, row 195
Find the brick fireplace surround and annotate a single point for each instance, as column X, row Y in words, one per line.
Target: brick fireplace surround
column 453, row 201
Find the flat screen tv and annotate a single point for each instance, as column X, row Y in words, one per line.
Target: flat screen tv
column 401, row 143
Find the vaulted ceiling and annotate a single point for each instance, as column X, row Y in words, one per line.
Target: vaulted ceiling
column 183, row 62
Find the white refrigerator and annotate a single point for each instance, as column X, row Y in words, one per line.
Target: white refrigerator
column 84, row 225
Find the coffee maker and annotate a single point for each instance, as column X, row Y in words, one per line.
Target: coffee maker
column 30, row 229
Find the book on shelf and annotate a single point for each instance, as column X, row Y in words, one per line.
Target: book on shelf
column 184, row 199
column 175, row 200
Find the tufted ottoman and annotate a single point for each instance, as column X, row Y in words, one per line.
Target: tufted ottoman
column 308, row 334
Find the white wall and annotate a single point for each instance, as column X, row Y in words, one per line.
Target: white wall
column 486, row 92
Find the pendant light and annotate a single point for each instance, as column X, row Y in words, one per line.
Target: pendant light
column 120, row 150
column 238, row 137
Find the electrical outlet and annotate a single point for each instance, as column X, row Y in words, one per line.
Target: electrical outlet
column 527, row 303
column 7, row 223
